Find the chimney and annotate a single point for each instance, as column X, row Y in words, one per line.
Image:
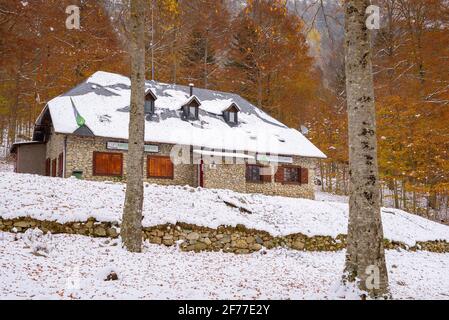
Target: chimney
column 191, row 85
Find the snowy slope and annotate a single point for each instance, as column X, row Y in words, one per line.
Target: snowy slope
column 103, row 101
column 76, row 200
column 77, row 266
column 6, row 166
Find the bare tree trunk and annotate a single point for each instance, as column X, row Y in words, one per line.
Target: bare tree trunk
column 205, row 60
column 447, row 206
column 131, row 230
column 404, row 196
column 381, row 195
column 337, row 179
column 174, row 55
column 259, row 90
column 12, row 132
column 2, row 129
column 365, row 256
column 433, row 200
column 322, row 176
column 414, row 201
column 396, row 194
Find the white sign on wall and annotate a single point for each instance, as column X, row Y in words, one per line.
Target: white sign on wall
column 112, row 145
column 280, row 159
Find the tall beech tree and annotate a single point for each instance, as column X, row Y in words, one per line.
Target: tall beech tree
column 365, row 256
column 131, row 230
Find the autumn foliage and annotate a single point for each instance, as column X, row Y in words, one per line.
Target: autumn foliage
column 268, row 52
column 40, row 58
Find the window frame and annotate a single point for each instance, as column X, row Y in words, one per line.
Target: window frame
column 149, row 176
column 149, row 107
column 54, row 170
column 193, row 104
column 298, row 172
column 191, row 115
column 232, row 117
column 48, row 167
column 61, row 165
column 261, row 176
column 303, row 175
column 234, row 121
column 95, row 174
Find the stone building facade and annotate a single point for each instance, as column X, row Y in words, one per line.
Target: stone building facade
column 78, row 160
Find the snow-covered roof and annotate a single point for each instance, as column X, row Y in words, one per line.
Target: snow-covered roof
column 217, row 106
column 189, row 100
column 21, row 143
column 103, row 103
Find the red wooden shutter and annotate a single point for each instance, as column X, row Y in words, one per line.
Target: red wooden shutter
column 304, row 175
column 169, row 168
column 265, row 174
column 108, row 164
column 266, row 178
column 47, row 167
column 151, row 167
column 115, row 164
column 163, row 167
column 60, row 165
column 160, row 167
column 279, row 176
column 53, row 168
column 101, row 163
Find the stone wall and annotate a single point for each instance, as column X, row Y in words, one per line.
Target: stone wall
column 225, row 176
column 239, row 239
column 287, row 190
column 54, row 147
column 80, row 158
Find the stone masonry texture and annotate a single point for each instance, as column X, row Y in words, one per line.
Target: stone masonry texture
column 238, row 239
column 79, row 157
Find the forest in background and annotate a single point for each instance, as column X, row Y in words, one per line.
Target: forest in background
column 286, row 57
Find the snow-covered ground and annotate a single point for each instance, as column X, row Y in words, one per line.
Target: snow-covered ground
column 6, row 166
column 440, row 214
column 76, row 200
column 77, row 266
column 326, row 196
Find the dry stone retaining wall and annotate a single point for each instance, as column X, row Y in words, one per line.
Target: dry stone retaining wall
column 239, row 239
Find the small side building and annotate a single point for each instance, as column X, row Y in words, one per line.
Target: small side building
column 193, row 137
column 29, row 157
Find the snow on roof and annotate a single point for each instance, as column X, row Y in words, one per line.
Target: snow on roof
column 21, row 143
column 149, row 91
column 107, row 96
column 217, row 106
column 188, row 101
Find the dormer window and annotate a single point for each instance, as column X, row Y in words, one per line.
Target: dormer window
column 150, row 98
column 190, row 108
column 233, row 117
column 149, row 107
column 192, row 112
column 231, row 114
